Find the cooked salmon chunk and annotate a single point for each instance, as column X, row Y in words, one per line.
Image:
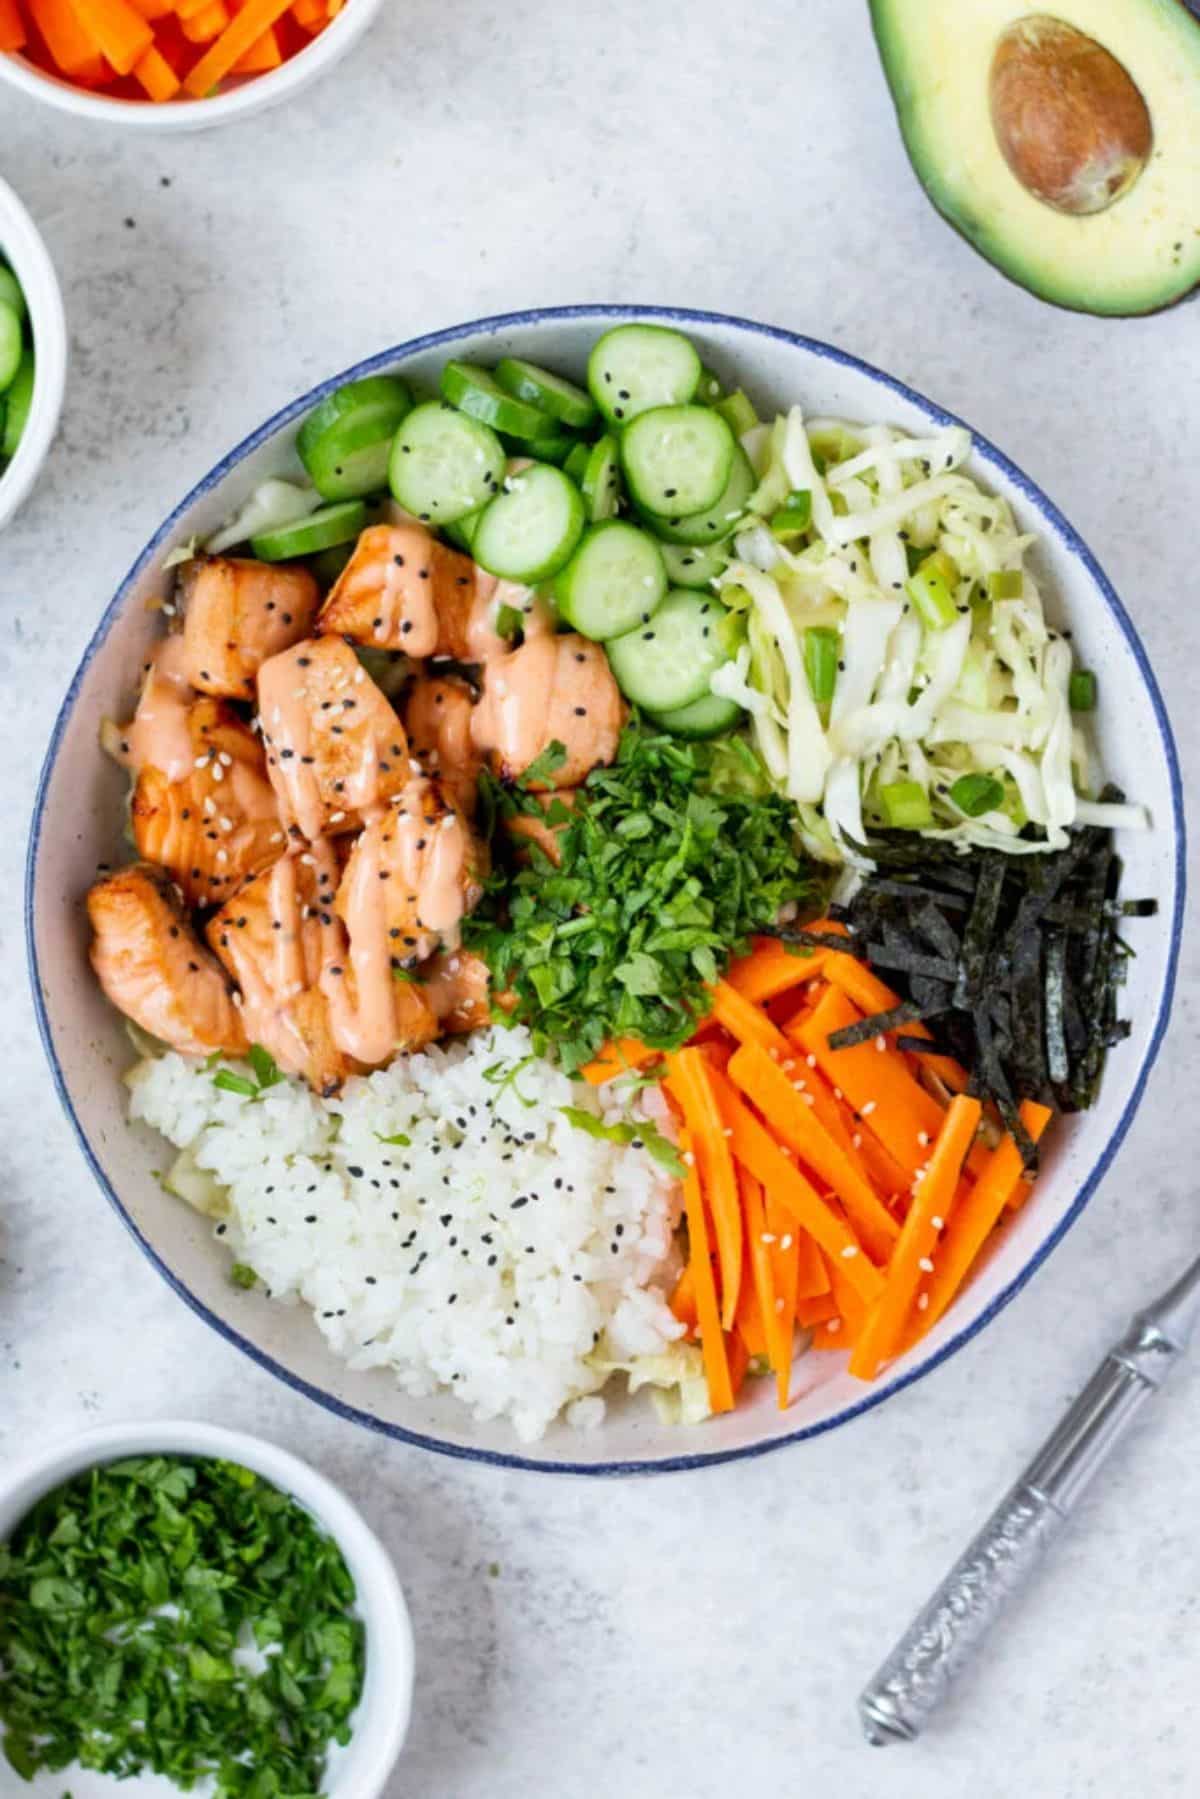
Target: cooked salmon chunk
column 335, row 747
column 458, row 988
column 544, row 830
column 239, row 613
column 153, row 968
column 437, row 717
column 552, row 689
column 220, row 823
column 412, row 876
column 403, row 590
column 276, row 937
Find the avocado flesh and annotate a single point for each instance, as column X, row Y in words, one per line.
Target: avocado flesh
column 1140, row 254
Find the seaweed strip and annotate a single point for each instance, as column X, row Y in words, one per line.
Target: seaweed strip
column 911, row 962
column 1058, row 1061
column 864, row 1029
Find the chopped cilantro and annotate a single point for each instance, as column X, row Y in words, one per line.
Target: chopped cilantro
column 640, row 1132
column 242, row 1275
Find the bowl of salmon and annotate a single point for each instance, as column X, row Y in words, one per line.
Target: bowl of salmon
column 606, row 889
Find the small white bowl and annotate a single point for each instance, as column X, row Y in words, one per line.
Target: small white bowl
column 22, row 245
column 361, row 1770
column 253, row 95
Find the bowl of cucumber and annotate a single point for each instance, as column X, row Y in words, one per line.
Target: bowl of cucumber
column 595, row 495
column 33, row 353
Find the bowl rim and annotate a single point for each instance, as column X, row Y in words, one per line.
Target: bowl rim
column 1032, row 495
column 27, row 251
column 381, row 1603
column 264, row 90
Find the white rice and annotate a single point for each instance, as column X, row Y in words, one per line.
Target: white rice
column 501, row 1254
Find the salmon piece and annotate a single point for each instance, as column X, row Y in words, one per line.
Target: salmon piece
column 403, row 590
column 529, row 829
column 153, row 967
column 237, row 614
column 458, row 988
column 335, row 747
column 427, row 864
column 437, row 717
column 279, row 969
column 220, row 823
column 552, row 689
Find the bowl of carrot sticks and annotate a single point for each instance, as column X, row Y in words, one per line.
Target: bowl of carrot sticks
column 173, row 65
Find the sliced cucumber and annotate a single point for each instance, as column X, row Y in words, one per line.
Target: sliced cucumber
column 710, row 390
column 689, row 565
column 677, row 459
column 346, row 442
column 602, row 480
column 712, row 715
column 11, row 342
column 554, row 446
column 614, row 581
column 322, row 530
column 636, row 367
column 11, row 293
column 670, row 662
column 444, row 464
column 461, row 531
column 714, row 526
column 557, row 398
column 475, row 391
column 529, row 531
column 576, row 464
column 18, row 402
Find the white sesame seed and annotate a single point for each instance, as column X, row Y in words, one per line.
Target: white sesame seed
column 837, row 1093
column 922, row 1302
column 811, row 1060
column 210, row 805
column 226, row 759
column 309, row 861
column 923, row 1138
column 201, row 762
column 689, row 1158
column 785, row 1242
column 335, row 818
column 810, row 1099
column 868, row 1108
column 766, row 1237
column 881, row 1043
column 727, row 1132
column 779, row 1305
column 850, row 1251
column 218, row 773
column 833, row 1324
column 925, row 1265
column 857, row 1139
column 939, row 1224
column 787, row 1066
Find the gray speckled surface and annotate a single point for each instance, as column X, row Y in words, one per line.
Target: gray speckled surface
column 679, row 1634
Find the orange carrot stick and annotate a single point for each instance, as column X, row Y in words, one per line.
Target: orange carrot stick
column 12, row 26
column 748, row 1023
column 851, row 1310
column 754, row 1147
column 974, row 1218
column 776, row 1331
column 812, row 1282
column 934, row 1198
column 793, row 1120
column 815, row 1310
column 310, row 14
column 233, row 43
column 749, row 1322
column 262, row 56
column 772, row 968
column 203, row 26
column 690, row 1078
column 870, row 994
column 712, row 1340
column 155, row 74
column 153, row 10
column 683, row 1300
column 738, row 1358
column 784, row 1253
column 878, row 1084
column 622, row 1056
column 72, row 48
column 120, row 33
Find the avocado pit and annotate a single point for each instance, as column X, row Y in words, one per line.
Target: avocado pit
column 1069, row 120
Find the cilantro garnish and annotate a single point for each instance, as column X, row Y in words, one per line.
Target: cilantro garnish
column 641, row 1133
column 123, row 1598
column 662, row 880
column 267, row 1074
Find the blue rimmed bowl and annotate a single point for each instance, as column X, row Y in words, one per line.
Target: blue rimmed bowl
column 77, row 824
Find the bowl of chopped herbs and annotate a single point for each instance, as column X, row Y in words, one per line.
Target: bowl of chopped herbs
column 184, row 1601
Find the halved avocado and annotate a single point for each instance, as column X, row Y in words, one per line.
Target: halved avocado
column 1064, row 146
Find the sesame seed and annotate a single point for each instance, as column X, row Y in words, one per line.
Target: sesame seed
column 868, row 1108
column 922, row 1302
column 850, row 1251
column 925, row 1265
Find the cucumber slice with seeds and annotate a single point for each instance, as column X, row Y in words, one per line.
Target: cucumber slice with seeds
column 677, row 459
column 11, row 292
column 345, row 444
column 11, row 341
column 670, row 662
column 712, row 715
column 322, row 530
column 715, row 526
column 18, row 403
column 553, row 446
column 476, row 392
column 444, row 465
column 614, row 581
column 691, row 565
column 528, row 532
column 575, row 467
column 636, row 367
column 602, row 481
column 550, row 393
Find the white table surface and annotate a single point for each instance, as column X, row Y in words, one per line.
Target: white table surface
column 689, row 1634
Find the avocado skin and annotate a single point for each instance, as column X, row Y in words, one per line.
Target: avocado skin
column 972, row 224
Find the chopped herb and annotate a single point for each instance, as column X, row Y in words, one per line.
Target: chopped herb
column 503, row 1075
column 641, row 1132
column 229, row 1082
column 266, row 1070
column 399, row 1141
column 509, row 621
column 242, row 1275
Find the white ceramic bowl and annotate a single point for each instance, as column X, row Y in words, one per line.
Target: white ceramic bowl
column 22, row 245
column 251, row 96
column 361, row 1769
column 78, row 820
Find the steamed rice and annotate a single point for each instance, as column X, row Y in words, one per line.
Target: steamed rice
column 501, row 1253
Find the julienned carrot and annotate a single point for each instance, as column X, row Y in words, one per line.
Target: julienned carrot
column 622, row 1056
column 749, row 1322
column 12, row 26
column 933, row 1197
column 246, row 29
column 755, row 1149
column 784, row 1253
column 851, row 1310
column 880, row 1168
column 793, row 1120
column 772, row 968
column 119, row 32
column 974, row 1218
column 816, row 1310
column 261, row 56
column 153, row 9
column 811, row 1278
column 70, row 46
column 877, row 1082
column 154, row 73
column 683, row 1300
column 690, row 1079
column 738, row 1358
column 309, row 13
column 712, row 1339
column 746, row 1022
column 775, row 1314
column 870, row 994
column 203, row 26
